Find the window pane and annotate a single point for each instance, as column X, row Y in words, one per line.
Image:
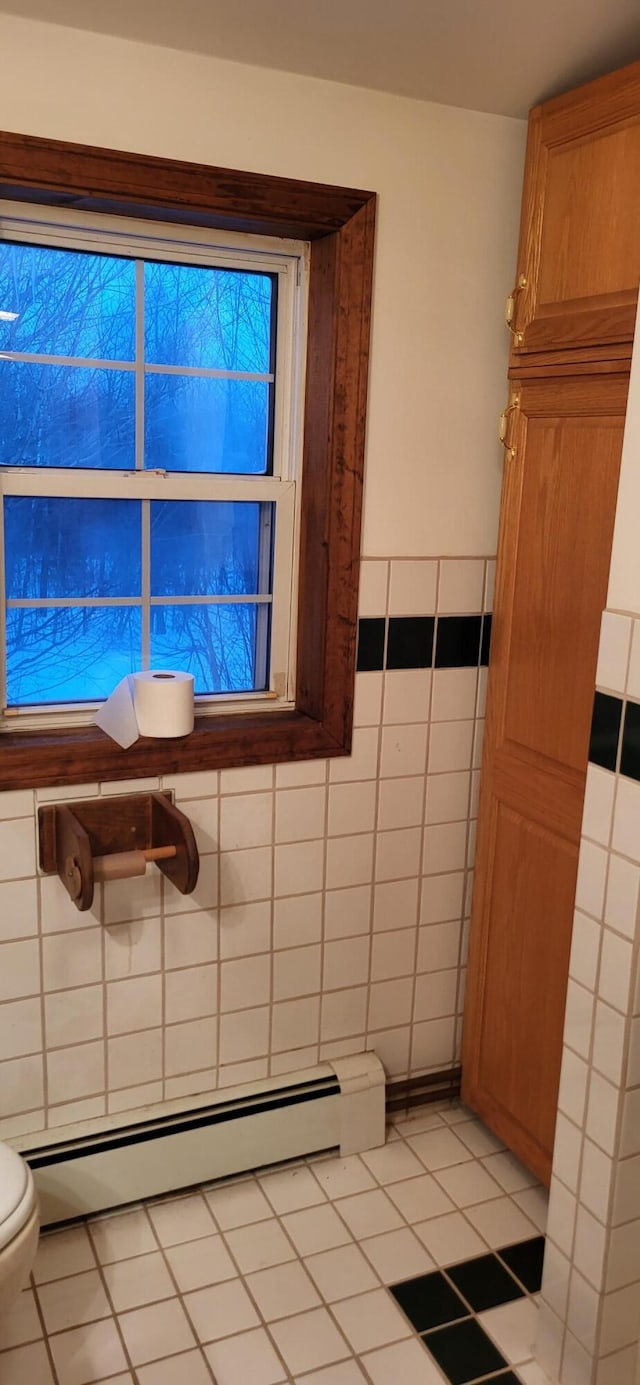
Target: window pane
column 71, row 548
column 210, row 548
column 70, row 654
column 68, row 303
column 66, row 416
column 216, row 318
column 224, row 647
column 195, row 423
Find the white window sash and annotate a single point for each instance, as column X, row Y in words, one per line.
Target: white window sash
column 289, row 260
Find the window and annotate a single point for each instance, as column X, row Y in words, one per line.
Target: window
column 339, row 224
column 149, row 398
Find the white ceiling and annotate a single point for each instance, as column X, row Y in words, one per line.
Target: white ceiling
column 489, row 55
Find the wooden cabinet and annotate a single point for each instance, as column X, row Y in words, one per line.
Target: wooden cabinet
column 579, row 260
column 553, row 564
column 579, row 255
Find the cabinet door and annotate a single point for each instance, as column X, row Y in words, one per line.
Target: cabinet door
column 556, row 531
column 579, row 253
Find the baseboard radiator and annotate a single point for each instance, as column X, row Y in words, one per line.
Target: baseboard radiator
column 338, row 1105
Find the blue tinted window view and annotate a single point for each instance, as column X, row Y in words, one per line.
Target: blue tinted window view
column 210, row 548
column 66, row 416
column 71, row 548
column 216, row 318
column 79, row 549
column 67, row 303
column 69, row 653
column 196, row 423
column 222, row 646
column 84, row 307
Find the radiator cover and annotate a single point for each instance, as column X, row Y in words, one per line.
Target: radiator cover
column 338, row 1105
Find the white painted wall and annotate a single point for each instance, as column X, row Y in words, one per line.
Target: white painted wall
column 449, row 183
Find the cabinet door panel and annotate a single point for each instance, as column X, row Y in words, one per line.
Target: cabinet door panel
column 534, row 873
column 556, row 584
column 556, row 530
column 580, row 235
column 572, row 266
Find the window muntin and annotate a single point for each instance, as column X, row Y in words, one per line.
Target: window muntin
column 152, row 583
column 220, row 605
column 199, row 341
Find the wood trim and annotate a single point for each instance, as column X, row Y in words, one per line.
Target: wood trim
column 588, row 109
column 590, row 327
column 88, row 178
column 86, row 755
column 530, row 237
column 341, row 224
column 407, row 1093
column 604, row 360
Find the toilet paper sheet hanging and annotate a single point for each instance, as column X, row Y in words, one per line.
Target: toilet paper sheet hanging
column 151, row 702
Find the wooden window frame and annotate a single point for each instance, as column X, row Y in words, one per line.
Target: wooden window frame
column 340, row 224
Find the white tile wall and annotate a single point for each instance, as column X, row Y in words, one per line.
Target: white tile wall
column 633, row 681
column 462, row 586
column 613, row 652
column 413, row 588
column 374, row 586
column 590, row 1325
column 327, row 917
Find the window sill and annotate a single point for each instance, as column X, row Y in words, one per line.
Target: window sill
column 53, row 758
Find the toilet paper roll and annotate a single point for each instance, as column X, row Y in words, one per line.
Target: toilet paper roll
column 154, row 703
column 163, row 702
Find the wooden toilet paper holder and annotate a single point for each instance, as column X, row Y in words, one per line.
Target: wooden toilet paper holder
column 80, row 842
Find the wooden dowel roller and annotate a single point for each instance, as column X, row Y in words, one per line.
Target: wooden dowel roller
column 123, row 865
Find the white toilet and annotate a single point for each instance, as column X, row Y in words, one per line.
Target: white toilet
column 19, row 1225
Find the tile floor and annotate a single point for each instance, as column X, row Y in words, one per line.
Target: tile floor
column 465, row 1312
column 282, row 1276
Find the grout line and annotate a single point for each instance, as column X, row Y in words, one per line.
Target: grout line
column 301, row 1260
column 423, row 832
column 43, row 1014
column 218, row 947
column 45, row 1335
column 271, row 901
column 114, row 1315
column 105, row 990
column 243, row 1278
column 323, row 914
column 178, row 1292
column 163, row 989
column 256, row 1180
column 376, row 812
